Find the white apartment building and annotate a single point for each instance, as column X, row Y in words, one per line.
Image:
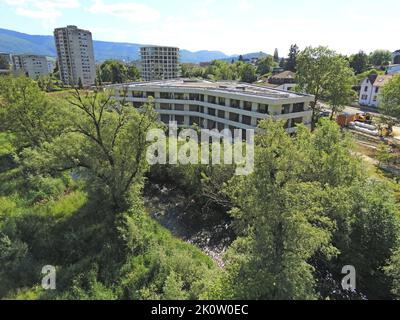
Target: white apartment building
column 159, row 63
column 370, row 88
column 218, row 105
column 75, row 56
column 30, row 65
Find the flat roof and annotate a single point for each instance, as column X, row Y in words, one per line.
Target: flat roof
column 157, row 47
column 219, row 86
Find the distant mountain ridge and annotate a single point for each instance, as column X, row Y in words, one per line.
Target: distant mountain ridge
column 19, row 43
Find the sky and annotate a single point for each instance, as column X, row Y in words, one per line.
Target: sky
column 230, row 26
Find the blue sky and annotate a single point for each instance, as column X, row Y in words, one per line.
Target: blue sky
column 231, row 26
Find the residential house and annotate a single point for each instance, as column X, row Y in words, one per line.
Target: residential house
column 370, row 88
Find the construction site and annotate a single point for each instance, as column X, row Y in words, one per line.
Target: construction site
column 378, row 139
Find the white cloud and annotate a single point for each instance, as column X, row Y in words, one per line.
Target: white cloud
column 47, row 11
column 135, row 12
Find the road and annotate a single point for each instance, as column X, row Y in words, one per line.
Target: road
column 350, row 109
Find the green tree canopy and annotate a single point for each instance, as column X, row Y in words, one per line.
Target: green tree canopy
column 248, row 73
column 359, row 62
column 115, row 71
column 27, row 112
column 105, row 140
column 380, row 58
column 265, row 65
column 327, row 76
column 4, row 63
column 276, row 55
column 291, row 61
column 390, row 98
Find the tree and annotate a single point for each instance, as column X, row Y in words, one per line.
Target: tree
column 115, row 71
column 340, row 91
column 45, row 83
column 248, row 73
column 241, row 58
column 324, row 74
column 133, row 73
column 222, row 70
column 4, row 63
column 280, row 223
column 190, row 70
column 392, row 270
column 374, row 237
column 380, row 58
column 390, row 98
column 276, row 55
column 291, row 62
column 282, row 63
column 80, row 84
column 384, row 154
column 27, row 112
column 264, row 65
column 105, row 141
column 359, row 62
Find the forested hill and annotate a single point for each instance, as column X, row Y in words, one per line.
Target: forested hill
column 18, row 43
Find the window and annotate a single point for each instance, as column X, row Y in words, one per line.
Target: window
column 193, row 96
column 150, row 94
column 286, row 109
column 211, row 124
column 221, row 126
column 364, row 97
column 376, row 90
column 298, row 107
column 179, row 96
column 365, row 89
column 165, row 95
column 221, row 114
column 194, row 120
column 194, row 108
column 221, row 101
column 247, row 105
column 211, row 99
column 180, row 120
column 262, row 108
column 233, row 117
column 179, row 107
column 211, row 112
column 246, row 120
column 235, row 104
column 165, row 106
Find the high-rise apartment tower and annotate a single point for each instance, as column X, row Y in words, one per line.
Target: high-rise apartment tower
column 75, row 56
column 159, row 63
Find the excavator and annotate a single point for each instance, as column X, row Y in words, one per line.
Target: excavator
column 364, row 118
